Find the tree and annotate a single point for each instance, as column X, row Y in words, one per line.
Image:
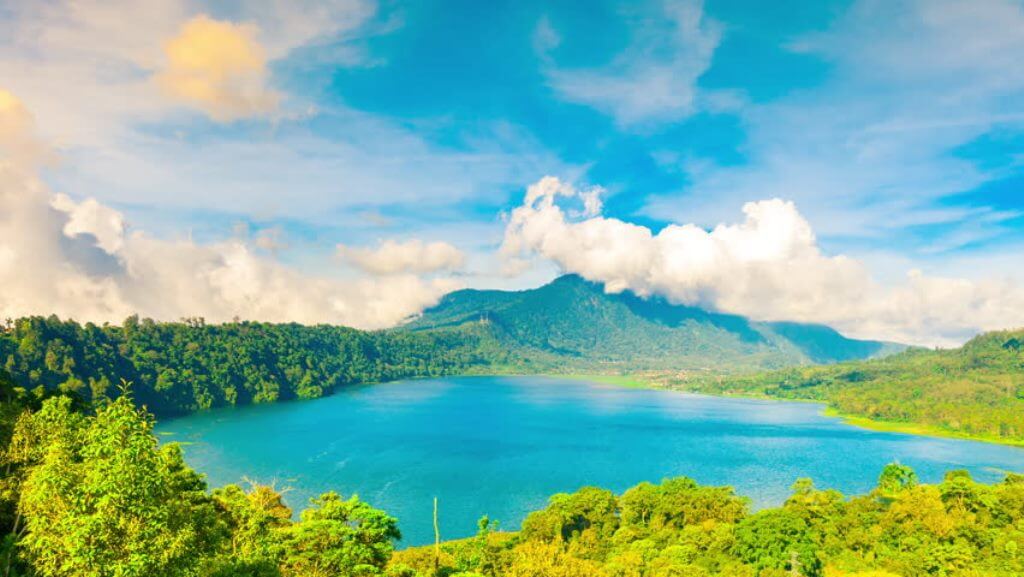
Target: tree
column 254, row 520
column 1013, row 344
column 106, row 500
column 538, row 559
column 339, row 537
column 768, row 539
column 895, row 479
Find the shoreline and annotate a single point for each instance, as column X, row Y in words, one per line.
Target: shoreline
column 916, row 429
column 641, row 382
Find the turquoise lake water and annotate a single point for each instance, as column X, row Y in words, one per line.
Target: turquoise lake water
column 501, row 446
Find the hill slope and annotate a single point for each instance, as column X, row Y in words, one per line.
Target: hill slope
column 975, row 391
column 576, row 321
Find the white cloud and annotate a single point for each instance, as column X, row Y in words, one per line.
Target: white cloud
column 768, row 267
column 412, row 256
column 298, row 173
column 89, row 217
column 76, row 259
column 18, row 141
column 655, row 78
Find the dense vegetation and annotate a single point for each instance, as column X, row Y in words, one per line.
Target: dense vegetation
column 92, row 494
column 187, row 366
column 681, row 529
column 96, row 496
column 976, row 390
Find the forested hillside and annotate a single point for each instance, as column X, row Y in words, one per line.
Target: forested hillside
column 575, row 319
column 187, row 366
column 976, row 390
column 95, row 495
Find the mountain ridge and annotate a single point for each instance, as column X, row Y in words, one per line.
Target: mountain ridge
column 576, row 319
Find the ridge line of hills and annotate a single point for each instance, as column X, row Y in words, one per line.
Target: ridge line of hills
column 575, row 318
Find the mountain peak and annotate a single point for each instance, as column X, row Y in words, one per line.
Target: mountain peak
column 571, row 279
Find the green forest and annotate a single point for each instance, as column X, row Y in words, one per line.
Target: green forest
column 975, row 391
column 186, row 366
column 93, row 494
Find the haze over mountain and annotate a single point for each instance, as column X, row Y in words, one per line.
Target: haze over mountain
column 575, row 320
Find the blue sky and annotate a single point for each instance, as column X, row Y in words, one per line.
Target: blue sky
column 896, row 128
column 471, row 83
column 466, row 78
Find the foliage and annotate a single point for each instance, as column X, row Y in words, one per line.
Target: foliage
column 339, row 537
column 183, row 367
column 976, row 390
column 104, row 499
column 959, row 528
column 97, row 496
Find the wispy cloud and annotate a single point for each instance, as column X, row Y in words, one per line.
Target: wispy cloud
column 87, row 66
column 394, row 257
column 87, row 70
column 871, row 153
column 655, row 78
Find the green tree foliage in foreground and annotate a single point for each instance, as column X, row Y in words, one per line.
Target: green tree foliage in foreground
column 976, row 390
column 681, row 529
column 95, row 495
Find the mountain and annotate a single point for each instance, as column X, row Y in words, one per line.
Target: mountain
column 975, row 391
column 575, row 321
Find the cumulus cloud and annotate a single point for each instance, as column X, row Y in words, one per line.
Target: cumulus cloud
column 412, row 256
column 78, row 260
column 220, row 68
column 767, row 267
column 89, row 217
column 655, row 78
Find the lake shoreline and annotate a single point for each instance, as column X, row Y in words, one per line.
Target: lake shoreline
column 916, row 429
column 640, row 382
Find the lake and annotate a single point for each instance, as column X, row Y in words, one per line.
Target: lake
column 501, row 446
